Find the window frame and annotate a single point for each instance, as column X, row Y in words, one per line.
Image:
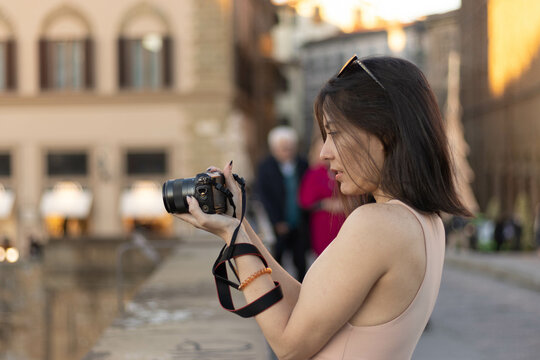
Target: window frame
column 146, row 151
column 47, row 61
column 125, row 64
column 8, row 65
column 67, row 175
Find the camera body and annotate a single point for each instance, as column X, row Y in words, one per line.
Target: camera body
column 201, row 187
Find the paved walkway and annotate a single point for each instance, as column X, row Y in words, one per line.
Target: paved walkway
column 522, row 269
column 480, row 318
column 176, row 315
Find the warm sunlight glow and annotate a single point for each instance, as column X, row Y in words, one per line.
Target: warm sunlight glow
column 513, row 40
column 343, row 13
column 353, row 15
column 396, row 38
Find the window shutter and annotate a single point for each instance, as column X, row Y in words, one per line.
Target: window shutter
column 122, row 71
column 43, row 65
column 11, row 65
column 167, row 62
column 89, row 63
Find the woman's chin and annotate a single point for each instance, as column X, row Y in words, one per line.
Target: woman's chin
column 347, row 190
column 352, row 189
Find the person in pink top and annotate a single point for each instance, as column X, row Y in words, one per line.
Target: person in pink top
column 315, row 195
column 370, row 294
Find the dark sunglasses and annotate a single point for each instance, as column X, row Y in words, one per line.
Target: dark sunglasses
column 349, row 66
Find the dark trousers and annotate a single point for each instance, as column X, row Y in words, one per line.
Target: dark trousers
column 292, row 241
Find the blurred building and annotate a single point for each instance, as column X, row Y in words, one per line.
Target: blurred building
column 322, row 59
column 104, row 100
column 290, row 34
column 442, row 69
column 500, row 96
column 441, row 37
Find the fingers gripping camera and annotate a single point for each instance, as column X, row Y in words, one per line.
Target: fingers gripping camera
column 207, row 188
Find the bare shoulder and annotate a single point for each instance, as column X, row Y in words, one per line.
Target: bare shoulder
column 388, row 226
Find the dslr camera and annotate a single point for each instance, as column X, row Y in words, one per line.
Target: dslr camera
column 202, row 187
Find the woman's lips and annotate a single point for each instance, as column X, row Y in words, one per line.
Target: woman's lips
column 339, row 174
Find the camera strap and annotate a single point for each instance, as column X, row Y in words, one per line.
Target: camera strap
column 227, row 254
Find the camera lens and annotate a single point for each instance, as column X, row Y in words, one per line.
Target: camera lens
column 174, row 195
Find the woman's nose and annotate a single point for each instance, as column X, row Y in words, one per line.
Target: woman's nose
column 326, row 153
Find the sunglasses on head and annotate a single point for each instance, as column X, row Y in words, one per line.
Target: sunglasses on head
column 351, row 65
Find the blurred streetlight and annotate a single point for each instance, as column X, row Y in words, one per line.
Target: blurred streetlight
column 397, row 39
column 67, row 199
column 143, row 200
column 10, row 254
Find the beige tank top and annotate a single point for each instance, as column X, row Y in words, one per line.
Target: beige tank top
column 396, row 339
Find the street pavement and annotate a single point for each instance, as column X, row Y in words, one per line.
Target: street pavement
column 478, row 317
column 518, row 268
column 488, row 308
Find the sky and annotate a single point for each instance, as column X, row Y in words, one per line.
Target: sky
column 407, row 10
column 342, row 12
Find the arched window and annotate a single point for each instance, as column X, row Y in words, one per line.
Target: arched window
column 66, row 52
column 144, row 50
column 8, row 69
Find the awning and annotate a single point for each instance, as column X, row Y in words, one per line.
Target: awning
column 7, row 198
column 142, row 201
column 67, row 199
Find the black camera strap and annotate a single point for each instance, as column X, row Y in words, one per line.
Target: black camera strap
column 227, row 254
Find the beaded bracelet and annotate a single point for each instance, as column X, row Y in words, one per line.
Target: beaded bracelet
column 250, row 279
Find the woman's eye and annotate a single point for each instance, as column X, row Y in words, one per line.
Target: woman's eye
column 331, row 132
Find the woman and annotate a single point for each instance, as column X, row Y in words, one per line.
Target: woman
column 371, row 292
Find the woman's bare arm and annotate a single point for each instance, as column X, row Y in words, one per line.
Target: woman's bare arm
column 332, row 291
column 289, row 285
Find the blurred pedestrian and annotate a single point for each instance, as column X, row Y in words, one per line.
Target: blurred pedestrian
column 36, row 249
column 507, row 233
column 537, row 228
column 6, row 242
column 278, row 179
column 498, row 233
column 516, row 230
column 316, row 189
column 456, row 234
column 471, row 233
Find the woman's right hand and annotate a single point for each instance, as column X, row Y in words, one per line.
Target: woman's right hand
column 233, row 187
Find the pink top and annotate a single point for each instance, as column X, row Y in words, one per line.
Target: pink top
column 396, row 339
column 324, row 226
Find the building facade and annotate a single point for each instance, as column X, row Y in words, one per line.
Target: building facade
column 102, row 101
column 500, row 76
column 292, row 32
column 442, row 37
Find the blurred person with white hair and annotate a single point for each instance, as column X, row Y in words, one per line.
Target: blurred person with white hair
column 278, row 180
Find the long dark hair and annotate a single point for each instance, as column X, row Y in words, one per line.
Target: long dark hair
column 405, row 117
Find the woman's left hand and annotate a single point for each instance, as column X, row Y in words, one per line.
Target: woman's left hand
column 217, row 224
